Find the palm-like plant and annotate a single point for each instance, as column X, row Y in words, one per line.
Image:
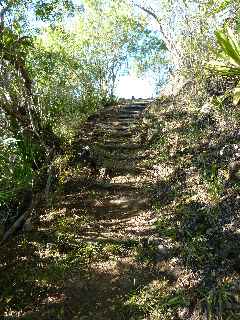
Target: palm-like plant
column 228, row 62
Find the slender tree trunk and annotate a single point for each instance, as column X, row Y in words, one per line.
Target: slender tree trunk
column 169, row 42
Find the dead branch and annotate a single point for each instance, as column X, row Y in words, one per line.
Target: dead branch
column 18, row 223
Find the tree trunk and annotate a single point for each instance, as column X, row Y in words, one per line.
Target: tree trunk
column 25, row 119
column 169, row 42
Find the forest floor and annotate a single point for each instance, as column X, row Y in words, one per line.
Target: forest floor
column 150, row 232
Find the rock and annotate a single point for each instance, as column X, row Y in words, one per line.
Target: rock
column 161, row 253
column 162, row 250
column 28, row 225
column 206, row 108
column 234, row 171
column 183, row 313
column 230, row 151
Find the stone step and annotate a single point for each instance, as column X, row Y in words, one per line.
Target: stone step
column 126, row 187
column 117, row 122
column 108, row 117
column 126, row 115
column 119, row 117
column 129, row 158
column 136, row 105
column 121, row 125
column 111, row 127
column 113, row 133
column 116, row 140
column 127, row 122
column 117, row 133
column 126, row 118
column 129, row 112
column 129, row 109
column 114, row 207
column 134, row 108
column 121, row 128
column 121, row 111
column 121, row 169
column 138, row 111
column 120, row 146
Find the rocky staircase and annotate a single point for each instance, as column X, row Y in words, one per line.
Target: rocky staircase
column 116, row 204
column 120, row 206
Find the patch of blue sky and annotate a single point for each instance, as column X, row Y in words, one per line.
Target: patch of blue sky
column 129, row 83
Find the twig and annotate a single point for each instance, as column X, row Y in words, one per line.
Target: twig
column 17, row 224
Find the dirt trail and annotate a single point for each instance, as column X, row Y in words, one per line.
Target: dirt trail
column 96, row 253
column 119, row 208
column 86, row 254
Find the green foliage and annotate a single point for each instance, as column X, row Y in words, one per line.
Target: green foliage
column 56, row 76
column 216, row 302
column 146, row 252
column 23, row 120
column 114, row 249
column 157, row 301
column 165, row 228
column 59, row 64
column 229, row 58
column 230, row 54
column 230, row 46
column 15, row 172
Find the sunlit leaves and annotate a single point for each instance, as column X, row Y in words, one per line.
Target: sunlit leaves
column 228, row 62
column 215, row 7
column 230, row 46
column 236, row 96
column 70, row 64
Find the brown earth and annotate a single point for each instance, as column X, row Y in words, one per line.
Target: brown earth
column 108, row 212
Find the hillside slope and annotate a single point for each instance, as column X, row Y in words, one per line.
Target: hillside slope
column 146, row 226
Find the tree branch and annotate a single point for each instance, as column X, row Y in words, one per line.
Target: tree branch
column 2, row 14
column 19, row 66
column 167, row 39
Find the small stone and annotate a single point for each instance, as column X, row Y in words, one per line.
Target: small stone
column 162, row 249
column 234, row 170
column 161, row 253
column 1, row 231
column 183, row 313
column 28, row 225
column 210, row 231
column 206, row 108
